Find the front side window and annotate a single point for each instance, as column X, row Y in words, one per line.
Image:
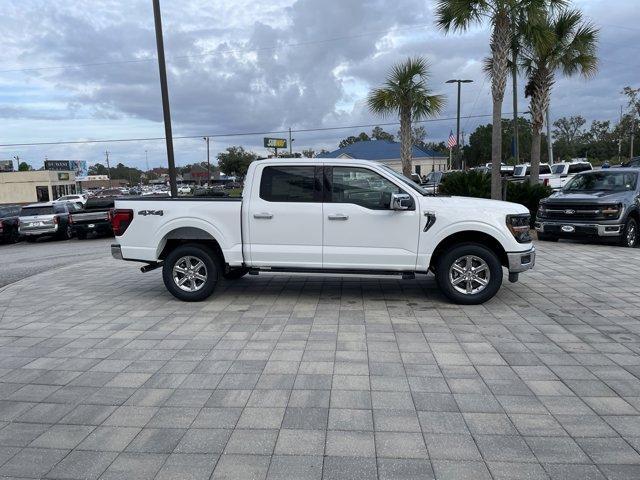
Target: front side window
column 362, row 187
column 291, row 184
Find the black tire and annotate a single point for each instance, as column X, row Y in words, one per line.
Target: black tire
column 15, row 236
column 480, row 256
column 545, row 237
column 211, row 272
column 630, row 234
column 235, row 273
column 66, row 234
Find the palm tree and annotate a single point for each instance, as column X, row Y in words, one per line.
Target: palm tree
column 460, row 15
column 561, row 42
column 406, row 94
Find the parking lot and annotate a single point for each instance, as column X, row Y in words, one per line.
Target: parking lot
column 105, row 375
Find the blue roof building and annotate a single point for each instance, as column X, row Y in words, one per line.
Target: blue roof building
column 388, row 152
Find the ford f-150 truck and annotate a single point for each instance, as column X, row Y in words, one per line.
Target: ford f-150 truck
column 326, row 216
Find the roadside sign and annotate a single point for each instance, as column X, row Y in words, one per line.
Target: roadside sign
column 6, row 165
column 57, row 165
column 63, row 175
column 80, row 168
column 275, row 142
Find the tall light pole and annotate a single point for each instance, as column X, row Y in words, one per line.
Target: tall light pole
column 549, row 140
column 459, row 82
column 108, row 169
column 206, row 139
column 165, row 98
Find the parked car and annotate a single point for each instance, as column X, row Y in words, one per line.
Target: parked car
column 599, row 204
column 109, row 192
column 9, row 219
column 78, row 198
column 633, row 163
column 46, row 220
column 94, row 219
column 524, row 170
column 562, row 172
column 184, row 189
column 433, row 181
column 317, row 215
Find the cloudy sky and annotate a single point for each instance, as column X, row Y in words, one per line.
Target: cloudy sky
column 86, row 69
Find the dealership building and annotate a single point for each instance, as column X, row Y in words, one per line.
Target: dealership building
column 35, row 186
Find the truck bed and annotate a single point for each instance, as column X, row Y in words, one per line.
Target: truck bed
column 183, row 219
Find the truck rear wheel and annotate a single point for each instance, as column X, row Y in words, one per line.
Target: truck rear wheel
column 190, row 272
column 469, row 274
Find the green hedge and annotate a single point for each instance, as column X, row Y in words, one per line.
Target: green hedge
column 477, row 184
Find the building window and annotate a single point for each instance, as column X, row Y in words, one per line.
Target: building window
column 42, row 194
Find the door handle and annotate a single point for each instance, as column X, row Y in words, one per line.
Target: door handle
column 263, row 215
column 338, row 216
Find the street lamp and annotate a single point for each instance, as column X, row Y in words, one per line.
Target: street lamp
column 459, row 82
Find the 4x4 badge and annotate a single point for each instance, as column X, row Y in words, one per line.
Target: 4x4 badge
column 144, row 213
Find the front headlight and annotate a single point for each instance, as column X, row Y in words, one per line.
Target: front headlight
column 519, row 226
column 611, row 211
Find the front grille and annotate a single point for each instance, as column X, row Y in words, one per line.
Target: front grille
column 572, row 212
column 589, row 230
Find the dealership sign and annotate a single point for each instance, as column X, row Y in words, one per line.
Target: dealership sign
column 81, row 169
column 59, row 165
column 275, row 143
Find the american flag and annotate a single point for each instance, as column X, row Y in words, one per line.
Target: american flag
column 452, row 140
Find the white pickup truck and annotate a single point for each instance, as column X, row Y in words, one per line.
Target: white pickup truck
column 326, row 216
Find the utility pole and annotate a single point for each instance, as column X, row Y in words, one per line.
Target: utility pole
column 620, row 137
column 633, row 134
column 108, row 169
column 549, row 140
column 146, row 160
column 206, row 139
column 290, row 143
column 458, row 159
column 165, row 98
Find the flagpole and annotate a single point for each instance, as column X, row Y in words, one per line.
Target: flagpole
column 450, row 157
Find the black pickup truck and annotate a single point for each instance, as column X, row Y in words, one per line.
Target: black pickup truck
column 94, row 219
column 9, row 223
column 602, row 204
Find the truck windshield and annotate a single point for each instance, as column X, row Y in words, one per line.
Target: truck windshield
column 408, row 182
column 603, row 181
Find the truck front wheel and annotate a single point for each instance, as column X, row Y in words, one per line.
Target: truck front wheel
column 190, row 272
column 469, row 274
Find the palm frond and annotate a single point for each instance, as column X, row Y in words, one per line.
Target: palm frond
column 459, row 15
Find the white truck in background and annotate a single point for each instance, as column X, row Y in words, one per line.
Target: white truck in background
column 326, row 216
column 562, row 172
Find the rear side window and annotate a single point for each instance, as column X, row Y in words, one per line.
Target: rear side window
column 579, row 167
column 291, row 184
column 28, row 212
column 60, row 208
column 544, row 169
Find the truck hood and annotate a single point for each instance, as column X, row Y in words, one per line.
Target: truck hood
column 489, row 207
column 599, row 196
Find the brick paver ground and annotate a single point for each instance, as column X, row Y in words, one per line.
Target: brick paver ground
column 104, row 375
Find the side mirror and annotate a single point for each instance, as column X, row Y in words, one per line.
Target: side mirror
column 401, row 201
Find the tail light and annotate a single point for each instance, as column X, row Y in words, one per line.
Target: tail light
column 1, row 226
column 55, row 219
column 120, row 220
column 546, row 182
column 71, row 219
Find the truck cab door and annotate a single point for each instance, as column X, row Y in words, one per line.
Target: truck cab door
column 285, row 217
column 361, row 231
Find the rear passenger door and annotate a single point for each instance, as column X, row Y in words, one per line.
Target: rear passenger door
column 285, row 217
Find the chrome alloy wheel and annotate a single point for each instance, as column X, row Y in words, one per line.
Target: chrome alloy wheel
column 469, row 274
column 189, row 274
column 632, row 235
